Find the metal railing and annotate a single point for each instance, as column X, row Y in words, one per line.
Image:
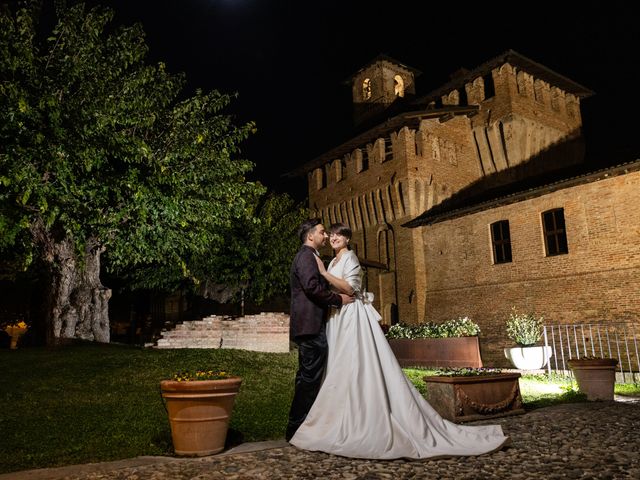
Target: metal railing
column 614, row 340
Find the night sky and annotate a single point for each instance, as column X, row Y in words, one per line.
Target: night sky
column 288, row 61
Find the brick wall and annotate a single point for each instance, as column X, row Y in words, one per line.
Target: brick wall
column 597, row 281
column 266, row 332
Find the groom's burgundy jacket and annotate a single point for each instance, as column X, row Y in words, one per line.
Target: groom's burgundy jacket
column 310, row 295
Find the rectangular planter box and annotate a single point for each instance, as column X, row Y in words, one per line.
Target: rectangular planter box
column 454, row 352
column 477, row 397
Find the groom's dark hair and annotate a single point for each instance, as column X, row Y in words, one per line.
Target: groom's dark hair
column 306, row 227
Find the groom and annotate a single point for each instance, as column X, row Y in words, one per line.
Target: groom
column 310, row 298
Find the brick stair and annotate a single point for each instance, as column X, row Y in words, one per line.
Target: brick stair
column 265, row 332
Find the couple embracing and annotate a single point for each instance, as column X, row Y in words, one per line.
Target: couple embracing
column 351, row 396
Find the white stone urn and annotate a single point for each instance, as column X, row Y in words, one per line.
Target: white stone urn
column 528, row 358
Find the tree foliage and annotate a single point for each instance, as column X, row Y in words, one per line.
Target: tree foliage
column 101, row 149
column 259, row 258
column 252, row 256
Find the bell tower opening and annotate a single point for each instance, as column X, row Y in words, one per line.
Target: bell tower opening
column 378, row 84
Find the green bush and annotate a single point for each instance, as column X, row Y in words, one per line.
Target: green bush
column 524, row 328
column 458, row 327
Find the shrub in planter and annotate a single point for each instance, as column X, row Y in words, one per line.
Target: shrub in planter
column 450, row 344
column 525, row 329
column 459, row 327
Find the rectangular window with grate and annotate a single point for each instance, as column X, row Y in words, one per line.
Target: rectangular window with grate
column 501, row 241
column 555, row 234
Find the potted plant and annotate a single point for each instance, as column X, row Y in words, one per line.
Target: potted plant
column 453, row 343
column 15, row 331
column 525, row 329
column 595, row 376
column 468, row 394
column 199, row 405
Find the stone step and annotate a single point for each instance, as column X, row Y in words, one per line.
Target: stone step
column 266, row 332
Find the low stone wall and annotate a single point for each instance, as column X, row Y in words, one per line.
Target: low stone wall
column 265, row 332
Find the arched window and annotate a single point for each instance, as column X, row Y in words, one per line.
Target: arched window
column 398, row 86
column 366, row 89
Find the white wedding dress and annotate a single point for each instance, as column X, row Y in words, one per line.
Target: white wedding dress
column 366, row 407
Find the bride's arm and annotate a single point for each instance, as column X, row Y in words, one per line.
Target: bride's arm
column 342, row 285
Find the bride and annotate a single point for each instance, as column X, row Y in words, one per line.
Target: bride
column 366, row 407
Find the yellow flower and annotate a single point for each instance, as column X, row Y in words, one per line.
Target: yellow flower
column 188, row 376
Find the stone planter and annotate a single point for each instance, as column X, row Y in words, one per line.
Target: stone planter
column 453, row 352
column 528, row 358
column 475, row 397
column 199, row 413
column 596, row 377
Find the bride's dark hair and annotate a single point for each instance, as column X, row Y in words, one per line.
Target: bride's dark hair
column 341, row 229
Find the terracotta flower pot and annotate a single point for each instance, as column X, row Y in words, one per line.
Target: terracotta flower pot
column 596, row 377
column 199, row 413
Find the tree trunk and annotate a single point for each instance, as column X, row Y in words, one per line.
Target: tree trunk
column 77, row 303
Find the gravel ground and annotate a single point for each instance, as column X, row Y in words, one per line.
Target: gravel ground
column 573, row 441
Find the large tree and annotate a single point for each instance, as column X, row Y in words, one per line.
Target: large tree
column 100, row 151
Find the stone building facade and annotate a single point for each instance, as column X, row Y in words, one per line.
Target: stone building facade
column 508, row 119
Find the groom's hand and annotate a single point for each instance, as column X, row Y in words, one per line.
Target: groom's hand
column 347, row 298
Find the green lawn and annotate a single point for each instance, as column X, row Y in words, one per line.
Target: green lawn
column 90, row 403
column 102, row 402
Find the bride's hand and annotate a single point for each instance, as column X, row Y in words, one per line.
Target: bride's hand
column 321, row 267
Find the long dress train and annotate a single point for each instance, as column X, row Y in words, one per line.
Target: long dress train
column 366, row 407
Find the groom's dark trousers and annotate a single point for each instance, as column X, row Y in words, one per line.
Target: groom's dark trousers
column 310, row 298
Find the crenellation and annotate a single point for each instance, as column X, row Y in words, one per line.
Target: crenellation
column 475, row 91
column 453, row 98
column 540, row 89
column 336, row 169
column 525, row 84
column 360, row 160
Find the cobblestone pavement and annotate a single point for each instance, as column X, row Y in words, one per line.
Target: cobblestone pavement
column 598, row 440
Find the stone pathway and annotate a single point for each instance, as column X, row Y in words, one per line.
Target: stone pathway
column 598, row 440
